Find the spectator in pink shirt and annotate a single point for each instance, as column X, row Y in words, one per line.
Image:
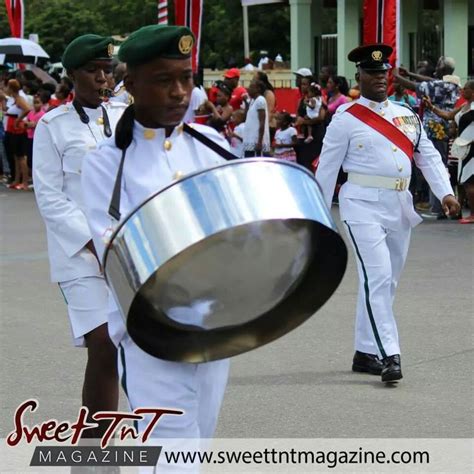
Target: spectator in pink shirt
column 31, row 120
column 338, row 89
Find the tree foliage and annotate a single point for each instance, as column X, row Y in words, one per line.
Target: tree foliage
column 222, row 38
column 59, row 21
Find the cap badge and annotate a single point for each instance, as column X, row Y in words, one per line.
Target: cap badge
column 110, row 50
column 185, row 44
column 377, row 55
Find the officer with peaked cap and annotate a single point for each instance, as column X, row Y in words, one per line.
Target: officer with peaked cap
column 62, row 138
column 155, row 149
column 375, row 141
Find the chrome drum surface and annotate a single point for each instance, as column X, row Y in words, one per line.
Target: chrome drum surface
column 225, row 260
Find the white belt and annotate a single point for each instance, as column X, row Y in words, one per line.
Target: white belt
column 371, row 181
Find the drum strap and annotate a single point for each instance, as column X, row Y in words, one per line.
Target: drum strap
column 226, row 154
column 114, row 207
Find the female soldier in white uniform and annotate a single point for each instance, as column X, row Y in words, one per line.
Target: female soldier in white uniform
column 374, row 140
column 63, row 136
column 157, row 151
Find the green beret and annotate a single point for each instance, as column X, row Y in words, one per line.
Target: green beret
column 157, row 41
column 86, row 48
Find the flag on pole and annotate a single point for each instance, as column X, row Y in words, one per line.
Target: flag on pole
column 381, row 25
column 162, row 12
column 189, row 13
column 15, row 14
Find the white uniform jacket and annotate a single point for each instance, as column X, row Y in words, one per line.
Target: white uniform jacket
column 60, row 143
column 358, row 148
column 152, row 162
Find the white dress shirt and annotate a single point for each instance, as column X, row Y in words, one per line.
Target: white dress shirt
column 358, row 148
column 152, row 162
column 60, row 143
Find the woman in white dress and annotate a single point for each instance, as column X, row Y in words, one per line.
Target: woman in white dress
column 257, row 131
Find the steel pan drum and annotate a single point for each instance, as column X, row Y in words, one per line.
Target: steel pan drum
column 225, row 260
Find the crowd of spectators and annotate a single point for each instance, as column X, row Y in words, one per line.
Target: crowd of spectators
column 24, row 99
column 439, row 98
column 299, row 137
column 254, row 124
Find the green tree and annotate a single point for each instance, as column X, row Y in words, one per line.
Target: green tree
column 59, row 21
column 4, row 26
column 122, row 17
column 222, row 35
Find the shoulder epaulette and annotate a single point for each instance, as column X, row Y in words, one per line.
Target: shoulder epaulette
column 121, row 90
column 56, row 112
column 403, row 104
column 115, row 103
column 343, row 107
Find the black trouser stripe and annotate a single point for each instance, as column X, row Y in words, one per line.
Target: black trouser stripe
column 123, row 380
column 62, row 292
column 367, row 295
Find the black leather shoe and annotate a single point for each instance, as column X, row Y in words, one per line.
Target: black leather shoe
column 369, row 363
column 392, row 370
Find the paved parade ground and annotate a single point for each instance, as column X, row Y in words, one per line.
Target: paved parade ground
column 300, row 386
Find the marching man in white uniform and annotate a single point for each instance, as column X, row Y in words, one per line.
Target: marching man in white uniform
column 63, row 136
column 374, row 140
column 155, row 149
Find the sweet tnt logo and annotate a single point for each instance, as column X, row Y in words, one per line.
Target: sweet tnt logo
column 52, row 430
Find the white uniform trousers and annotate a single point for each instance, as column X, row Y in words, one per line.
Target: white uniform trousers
column 198, row 389
column 87, row 300
column 380, row 254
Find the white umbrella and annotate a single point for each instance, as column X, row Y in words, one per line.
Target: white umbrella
column 19, row 50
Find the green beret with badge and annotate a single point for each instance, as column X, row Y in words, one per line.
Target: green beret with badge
column 372, row 57
column 157, row 41
column 87, row 48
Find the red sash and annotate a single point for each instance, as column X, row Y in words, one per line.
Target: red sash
column 384, row 127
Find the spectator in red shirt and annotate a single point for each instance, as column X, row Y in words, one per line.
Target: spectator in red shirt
column 231, row 79
column 62, row 94
column 212, row 92
column 461, row 101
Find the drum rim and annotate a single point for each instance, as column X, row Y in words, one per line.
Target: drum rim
column 189, row 176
